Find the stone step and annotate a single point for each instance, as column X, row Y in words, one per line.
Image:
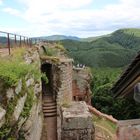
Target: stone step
column 48, row 101
column 48, row 107
column 49, row 104
column 50, row 114
column 49, row 111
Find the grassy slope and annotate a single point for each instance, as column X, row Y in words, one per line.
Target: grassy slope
column 104, row 128
column 116, row 50
column 105, row 123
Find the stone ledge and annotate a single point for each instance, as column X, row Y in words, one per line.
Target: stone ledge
column 76, row 116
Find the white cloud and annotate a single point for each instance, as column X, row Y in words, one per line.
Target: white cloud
column 73, row 16
column 1, row 1
column 12, row 11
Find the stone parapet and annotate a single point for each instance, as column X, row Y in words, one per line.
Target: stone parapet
column 128, row 130
column 77, row 122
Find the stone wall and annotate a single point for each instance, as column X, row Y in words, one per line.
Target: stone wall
column 62, row 87
column 79, row 125
column 128, row 130
column 77, row 122
column 20, row 107
column 81, row 84
column 64, row 94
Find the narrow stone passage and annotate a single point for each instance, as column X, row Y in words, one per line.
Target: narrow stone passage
column 50, row 118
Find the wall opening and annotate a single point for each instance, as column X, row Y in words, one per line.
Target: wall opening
column 47, row 88
column 49, row 105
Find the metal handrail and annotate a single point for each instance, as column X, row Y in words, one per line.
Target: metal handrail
column 22, row 40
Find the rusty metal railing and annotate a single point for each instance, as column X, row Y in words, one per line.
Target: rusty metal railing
column 10, row 40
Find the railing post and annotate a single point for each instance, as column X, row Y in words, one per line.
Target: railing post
column 20, row 41
column 30, row 42
column 27, row 41
column 15, row 40
column 8, row 43
column 24, row 41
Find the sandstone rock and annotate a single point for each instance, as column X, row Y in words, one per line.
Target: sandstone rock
column 10, row 93
column 29, row 82
column 33, row 126
column 37, row 89
column 18, row 109
column 81, row 84
column 19, row 87
column 2, row 116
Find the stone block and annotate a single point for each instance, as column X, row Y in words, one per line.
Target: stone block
column 2, row 116
column 37, row 89
column 29, row 82
column 18, row 109
column 10, row 93
column 77, row 122
column 19, row 87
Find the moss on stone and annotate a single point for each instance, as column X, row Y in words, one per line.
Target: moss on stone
column 15, row 68
column 60, row 47
column 28, row 103
column 51, row 59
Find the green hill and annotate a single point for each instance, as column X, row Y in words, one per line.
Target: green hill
column 115, row 50
column 57, row 37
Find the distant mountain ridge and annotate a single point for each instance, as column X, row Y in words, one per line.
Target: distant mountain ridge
column 57, row 37
column 114, row 50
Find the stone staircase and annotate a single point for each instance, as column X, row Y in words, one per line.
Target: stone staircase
column 49, row 107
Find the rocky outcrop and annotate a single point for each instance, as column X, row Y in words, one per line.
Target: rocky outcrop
column 32, row 128
column 20, row 108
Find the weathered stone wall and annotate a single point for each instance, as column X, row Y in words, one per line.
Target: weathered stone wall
column 77, row 126
column 77, row 122
column 81, row 84
column 128, row 130
column 65, row 91
column 20, row 107
column 62, row 87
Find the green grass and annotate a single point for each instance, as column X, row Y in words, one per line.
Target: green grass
column 14, row 68
column 134, row 31
column 111, row 127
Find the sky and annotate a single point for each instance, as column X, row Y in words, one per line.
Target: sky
column 82, row 18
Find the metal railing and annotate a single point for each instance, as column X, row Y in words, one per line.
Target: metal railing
column 10, row 40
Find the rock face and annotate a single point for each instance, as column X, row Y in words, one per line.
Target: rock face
column 21, row 105
column 18, row 109
column 81, row 84
column 77, row 122
column 2, row 116
column 33, row 125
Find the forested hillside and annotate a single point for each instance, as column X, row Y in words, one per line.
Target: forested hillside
column 115, row 50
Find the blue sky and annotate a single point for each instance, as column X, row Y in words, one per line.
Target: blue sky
column 81, row 18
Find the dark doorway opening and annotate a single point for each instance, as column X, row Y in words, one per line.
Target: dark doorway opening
column 47, row 88
column 49, row 105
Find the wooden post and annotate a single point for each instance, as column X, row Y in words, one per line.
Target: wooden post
column 8, row 42
column 15, row 39
column 20, row 41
